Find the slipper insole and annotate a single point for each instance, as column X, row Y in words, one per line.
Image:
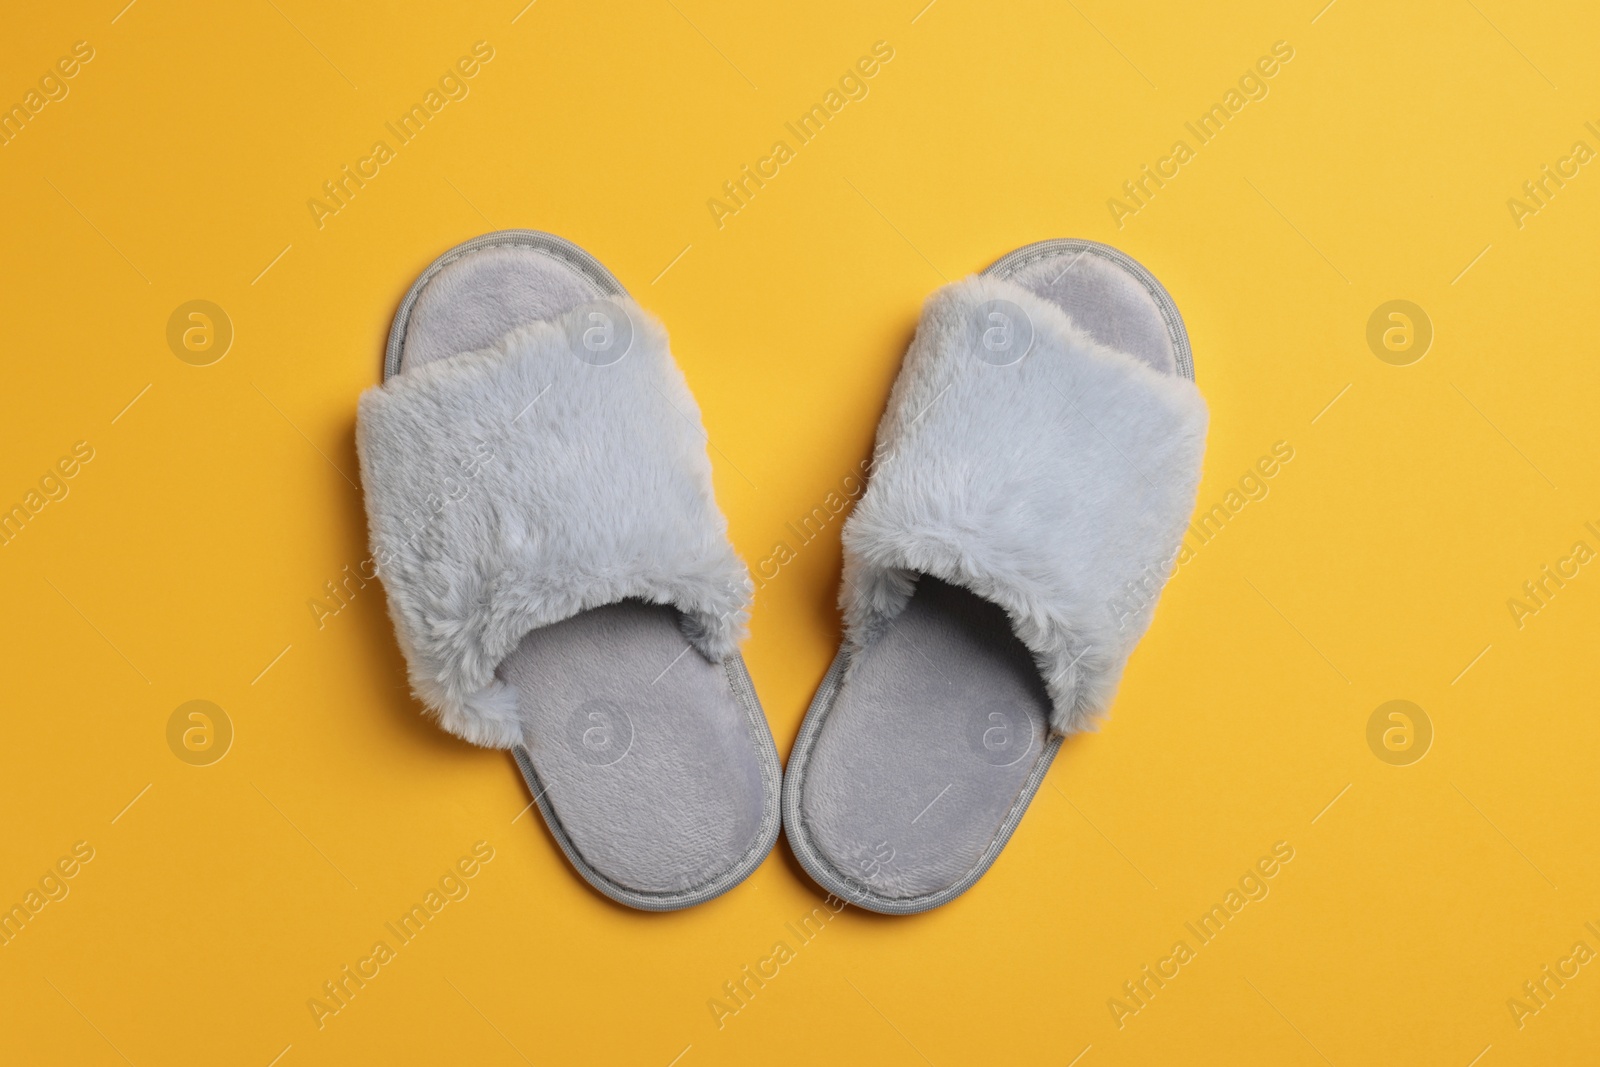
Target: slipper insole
column 927, row 745
column 1105, row 301
column 641, row 745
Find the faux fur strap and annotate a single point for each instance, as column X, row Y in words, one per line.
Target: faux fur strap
column 1056, row 485
column 514, row 487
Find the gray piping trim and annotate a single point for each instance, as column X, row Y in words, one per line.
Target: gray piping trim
column 766, row 835
column 824, row 873
column 843, row 885
column 555, row 247
column 606, row 284
column 1012, row 262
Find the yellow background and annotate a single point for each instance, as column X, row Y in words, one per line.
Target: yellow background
column 1379, row 566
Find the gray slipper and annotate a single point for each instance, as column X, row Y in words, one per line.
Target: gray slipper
column 1033, row 474
column 558, row 572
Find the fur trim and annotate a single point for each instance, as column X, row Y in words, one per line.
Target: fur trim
column 1057, row 487
column 517, row 486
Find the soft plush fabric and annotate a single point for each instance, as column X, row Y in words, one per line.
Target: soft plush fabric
column 517, row 486
column 1057, row 487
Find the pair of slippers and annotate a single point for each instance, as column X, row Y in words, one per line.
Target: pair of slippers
column 562, row 585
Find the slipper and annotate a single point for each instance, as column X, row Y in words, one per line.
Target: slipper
column 1032, row 478
column 558, row 573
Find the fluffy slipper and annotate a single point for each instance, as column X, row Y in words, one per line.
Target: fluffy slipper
column 558, row 573
column 1034, row 470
